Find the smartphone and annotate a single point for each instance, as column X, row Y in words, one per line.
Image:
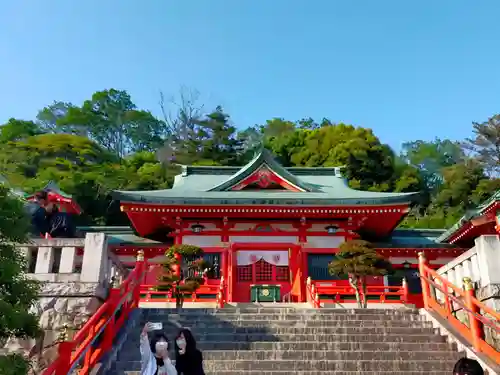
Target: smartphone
column 156, row 326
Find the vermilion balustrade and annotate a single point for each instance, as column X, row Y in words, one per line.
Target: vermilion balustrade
column 95, row 338
column 455, row 299
column 316, row 293
column 205, row 293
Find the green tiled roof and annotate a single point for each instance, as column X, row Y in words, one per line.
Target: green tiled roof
column 208, row 185
column 400, row 238
column 478, row 211
column 414, row 238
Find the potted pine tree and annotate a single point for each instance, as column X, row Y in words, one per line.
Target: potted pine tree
column 358, row 259
column 183, row 271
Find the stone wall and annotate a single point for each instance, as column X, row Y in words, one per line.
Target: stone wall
column 68, row 298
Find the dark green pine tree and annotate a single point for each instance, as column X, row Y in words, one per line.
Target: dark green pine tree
column 191, row 271
column 358, row 259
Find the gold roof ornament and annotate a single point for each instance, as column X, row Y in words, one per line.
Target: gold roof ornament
column 467, row 283
column 63, row 334
column 140, row 256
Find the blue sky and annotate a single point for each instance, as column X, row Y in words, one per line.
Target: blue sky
column 407, row 69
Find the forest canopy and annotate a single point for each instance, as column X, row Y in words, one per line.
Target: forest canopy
column 107, row 143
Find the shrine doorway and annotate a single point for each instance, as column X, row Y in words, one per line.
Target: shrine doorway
column 261, row 270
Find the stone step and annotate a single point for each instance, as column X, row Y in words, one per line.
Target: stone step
column 305, row 355
column 330, row 355
column 131, row 352
column 285, row 309
column 351, row 337
column 282, row 311
column 280, row 331
column 293, row 345
column 316, row 365
column 278, row 317
column 306, row 372
column 292, row 323
column 330, row 365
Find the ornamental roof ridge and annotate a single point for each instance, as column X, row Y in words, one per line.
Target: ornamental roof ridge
column 263, row 158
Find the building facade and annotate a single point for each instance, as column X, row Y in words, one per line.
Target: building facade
column 263, row 224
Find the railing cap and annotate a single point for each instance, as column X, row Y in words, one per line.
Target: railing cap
column 467, row 283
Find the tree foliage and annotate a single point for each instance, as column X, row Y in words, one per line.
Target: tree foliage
column 18, row 294
column 108, row 143
column 486, row 143
column 358, row 259
column 180, row 277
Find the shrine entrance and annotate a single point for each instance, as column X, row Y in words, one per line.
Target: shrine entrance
column 261, row 276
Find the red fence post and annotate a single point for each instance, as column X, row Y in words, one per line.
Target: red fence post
column 422, row 265
column 64, row 350
column 221, row 294
column 139, row 270
column 474, row 323
column 406, row 292
column 109, row 331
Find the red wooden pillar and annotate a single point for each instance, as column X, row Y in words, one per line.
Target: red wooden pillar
column 422, row 263
column 224, row 264
column 232, row 271
column 303, row 274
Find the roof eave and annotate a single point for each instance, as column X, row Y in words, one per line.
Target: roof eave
column 457, row 227
column 140, row 199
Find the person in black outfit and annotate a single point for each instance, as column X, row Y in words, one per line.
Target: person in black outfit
column 188, row 359
column 48, row 219
column 467, row 366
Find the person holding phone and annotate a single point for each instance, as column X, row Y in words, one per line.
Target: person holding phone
column 154, row 352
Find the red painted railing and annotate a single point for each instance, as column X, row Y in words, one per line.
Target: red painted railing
column 455, row 299
column 205, row 293
column 382, row 293
column 95, row 338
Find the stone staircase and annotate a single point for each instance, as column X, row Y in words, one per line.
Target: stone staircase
column 273, row 341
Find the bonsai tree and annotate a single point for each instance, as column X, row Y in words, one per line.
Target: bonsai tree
column 183, row 271
column 358, row 259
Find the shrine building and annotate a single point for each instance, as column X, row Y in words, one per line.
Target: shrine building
column 264, row 224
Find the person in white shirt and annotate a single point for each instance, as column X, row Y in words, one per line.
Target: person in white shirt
column 154, row 353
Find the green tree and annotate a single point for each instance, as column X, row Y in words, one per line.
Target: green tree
column 113, row 121
column 486, row 143
column 369, row 164
column 78, row 165
column 15, row 130
column 464, row 186
column 431, row 157
column 190, row 271
column 52, row 119
column 18, row 294
column 358, row 259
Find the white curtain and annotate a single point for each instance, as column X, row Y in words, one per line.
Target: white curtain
column 278, row 258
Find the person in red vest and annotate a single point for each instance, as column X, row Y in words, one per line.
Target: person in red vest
column 467, row 366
